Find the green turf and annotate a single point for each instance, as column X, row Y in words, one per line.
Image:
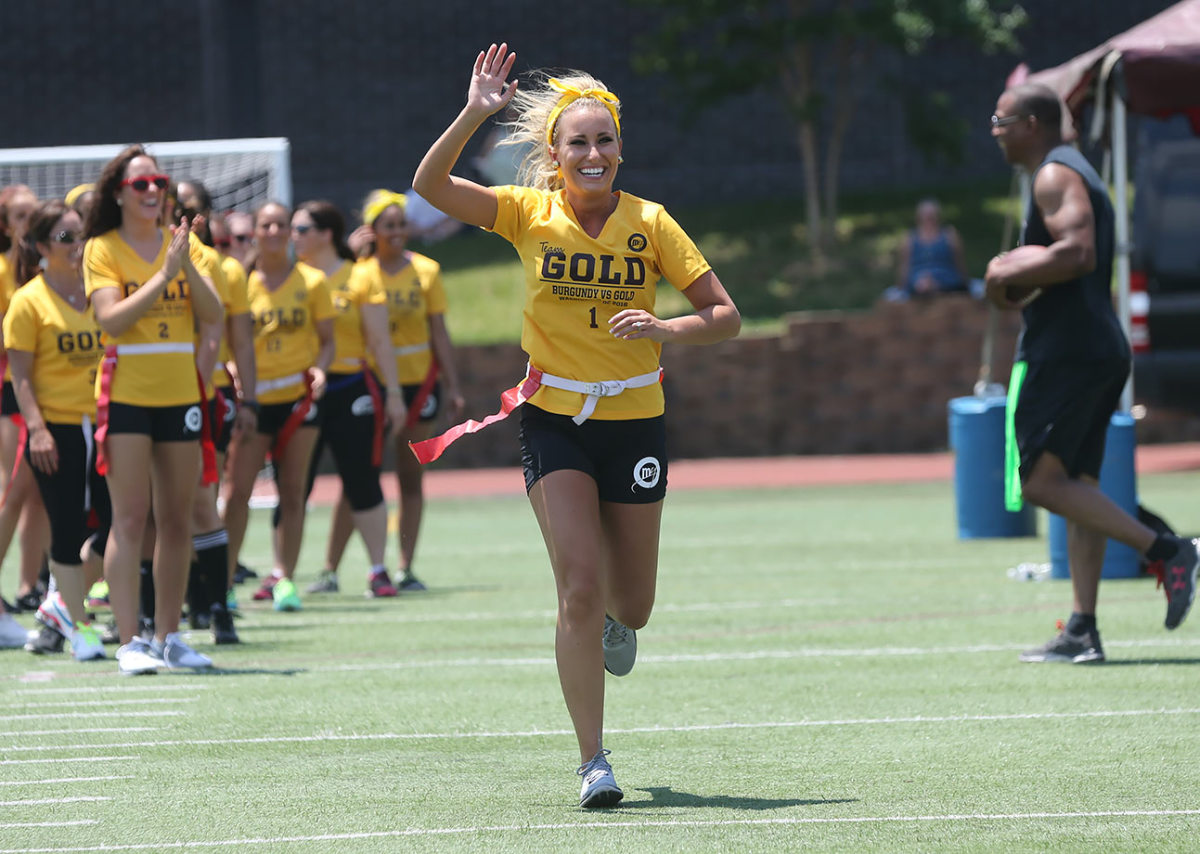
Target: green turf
column 826, row 669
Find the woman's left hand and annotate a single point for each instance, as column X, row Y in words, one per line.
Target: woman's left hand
column 43, row 453
column 632, row 323
column 318, row 382
column 456, row 405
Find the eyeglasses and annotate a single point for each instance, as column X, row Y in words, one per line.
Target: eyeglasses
column 302, row 229
column 142, row 184
column 67, row 237
column 1002, row 121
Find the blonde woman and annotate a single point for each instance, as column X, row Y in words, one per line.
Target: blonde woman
column 592, row 432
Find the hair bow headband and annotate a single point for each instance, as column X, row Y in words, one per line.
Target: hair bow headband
column 384, row 200
column 570, row 95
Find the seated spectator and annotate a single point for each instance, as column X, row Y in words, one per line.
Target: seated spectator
column 931, row 258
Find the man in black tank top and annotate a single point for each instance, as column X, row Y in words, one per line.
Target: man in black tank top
column 1074, row 359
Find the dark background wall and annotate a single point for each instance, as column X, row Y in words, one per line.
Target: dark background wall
column 361, row 88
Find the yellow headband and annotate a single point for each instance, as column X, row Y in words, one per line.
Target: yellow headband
column 571, row 94
column 75, row 192
column 383, row 199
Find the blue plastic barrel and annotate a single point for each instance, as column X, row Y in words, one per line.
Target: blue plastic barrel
column 1119, row 482
column 977, row 439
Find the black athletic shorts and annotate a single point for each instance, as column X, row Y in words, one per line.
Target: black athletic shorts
column 8, row 400
column 272, row 416
column 627, row 459
column 432, row 405
column 75, row 496
column 161, row 423
column 348, row 430
column 1065, row 408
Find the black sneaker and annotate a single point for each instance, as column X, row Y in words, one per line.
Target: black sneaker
column 222, row 626
column 1077, row 649
column 29, row 602
column 199, row 619
column 409, row 583
column 1177, row 577
column 109, row 634
column 241, row 573
column 46, row 642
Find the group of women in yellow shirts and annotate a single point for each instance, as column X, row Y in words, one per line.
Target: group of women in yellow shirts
column 139, row 352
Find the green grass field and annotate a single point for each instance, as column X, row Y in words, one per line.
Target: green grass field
column 826, row 669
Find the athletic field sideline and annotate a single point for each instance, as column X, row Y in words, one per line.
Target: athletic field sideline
column 750, row 472
column 828, row 668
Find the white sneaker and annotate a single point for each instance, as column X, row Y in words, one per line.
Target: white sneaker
column 12, row 634
column 86, row 644
column 600, row 788
column 620, row 647
column 175, row 653
column 53, row 613
column 136, row 657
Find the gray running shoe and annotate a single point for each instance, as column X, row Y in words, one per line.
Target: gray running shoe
column 176, row 654
column 600, row 788
column 327, row 582
column 136, row 658
column 86, row 644
column 47, row 640
column 1177, row 577
column 409, row 583
column 620, row 647
column 1077, row 649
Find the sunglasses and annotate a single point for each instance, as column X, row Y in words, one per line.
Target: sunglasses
column 67, row 237
column 141, row 185
column 242, row 238
column 302, row 229
column 998, row 122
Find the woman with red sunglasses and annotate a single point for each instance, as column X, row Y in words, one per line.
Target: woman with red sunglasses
column 149, row 288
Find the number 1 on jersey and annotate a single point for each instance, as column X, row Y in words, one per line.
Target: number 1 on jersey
column 592, row 311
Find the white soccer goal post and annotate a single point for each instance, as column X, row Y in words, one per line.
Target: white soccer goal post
column 241, row 174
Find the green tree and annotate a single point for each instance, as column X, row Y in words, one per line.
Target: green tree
column 817, row 55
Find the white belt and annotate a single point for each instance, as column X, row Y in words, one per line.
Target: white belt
column 595, row 391
column 143, row 349
column 410, row 349
column 264, row 386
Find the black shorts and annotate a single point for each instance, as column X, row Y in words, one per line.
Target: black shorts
column 76, row 497
column 161, row 423
column 8, row 400
column 272, row 416
column 222, row 422
column 1065, row 408
column 627, row 459
column 432, row 405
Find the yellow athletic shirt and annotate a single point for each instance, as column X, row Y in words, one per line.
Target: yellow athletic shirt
column 235, row 303
column 66, row 346
column 575, row 283
column 285, row 332
column 154, row 378
column 350, row 293
column 412, row 295
column 8, row 286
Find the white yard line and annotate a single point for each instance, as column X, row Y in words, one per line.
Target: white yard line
column 585, row 824
column 71, row 759
column 122, row 687
column 18, row 733
column 75, row 704
column 394, row 736
column 164, row 713
column 56, row 781
column 53, row 801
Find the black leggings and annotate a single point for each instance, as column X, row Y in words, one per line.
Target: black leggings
column 66, row 495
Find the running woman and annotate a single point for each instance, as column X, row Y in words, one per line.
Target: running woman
column 592, row 431
column 293, row 349
column 148, row 295
column 423, row 355
column 354, row 422
column 54, row 348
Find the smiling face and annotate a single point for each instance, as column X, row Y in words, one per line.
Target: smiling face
column 391, row 232
column 63, row 248
column 306, row 237
column 587, row 149
column 19, row 207
column 145, row 205
column 272, row 230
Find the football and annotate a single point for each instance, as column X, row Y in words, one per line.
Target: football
column 1023, row 295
